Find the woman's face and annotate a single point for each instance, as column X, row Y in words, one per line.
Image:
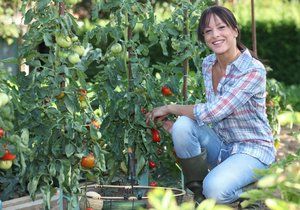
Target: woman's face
column 219, row 37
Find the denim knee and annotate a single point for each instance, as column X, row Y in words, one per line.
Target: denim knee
column 185, row 142
column 218, row 190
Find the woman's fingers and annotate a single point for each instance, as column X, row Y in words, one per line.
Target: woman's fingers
column 155, row 114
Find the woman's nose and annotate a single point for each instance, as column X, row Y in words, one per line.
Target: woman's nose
column 215, row 32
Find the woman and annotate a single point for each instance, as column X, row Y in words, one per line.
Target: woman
column 230, row 132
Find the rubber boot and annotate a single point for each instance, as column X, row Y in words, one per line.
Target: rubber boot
column 194, row 170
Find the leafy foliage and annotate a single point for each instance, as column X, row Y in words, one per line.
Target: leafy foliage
column 130, row 81
column 275, row 103
column 279, row 188
column 8, row 28
column 11, row 140
column 55, row 103
column 165, row 199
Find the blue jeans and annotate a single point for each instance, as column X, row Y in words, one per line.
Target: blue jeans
column 229, row 173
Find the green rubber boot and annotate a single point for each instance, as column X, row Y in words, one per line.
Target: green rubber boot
column 194, row 170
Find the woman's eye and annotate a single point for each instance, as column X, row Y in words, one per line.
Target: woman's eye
column 207, row 31
column 222, row 27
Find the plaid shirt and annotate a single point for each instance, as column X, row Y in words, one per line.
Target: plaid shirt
column 237, row 112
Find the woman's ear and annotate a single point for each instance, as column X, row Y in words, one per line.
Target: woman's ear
column 236, row 32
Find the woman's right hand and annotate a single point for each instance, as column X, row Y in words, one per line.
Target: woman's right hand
column 158, row 113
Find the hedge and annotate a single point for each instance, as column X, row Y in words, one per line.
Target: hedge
column 278, row 47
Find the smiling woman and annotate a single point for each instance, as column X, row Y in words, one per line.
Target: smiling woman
column 230, row 132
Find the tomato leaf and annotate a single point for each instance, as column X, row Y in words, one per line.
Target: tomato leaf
column 69, row 102
column 61, row 177
column 25, row 137
column 32, row 185
column 47, row 39
column 69, row 149
column 28, row 16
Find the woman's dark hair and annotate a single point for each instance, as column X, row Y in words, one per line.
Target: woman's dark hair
column 225, row 15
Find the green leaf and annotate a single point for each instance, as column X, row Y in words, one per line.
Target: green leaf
column 69, row 149
column 42, row 4
column 207, row 204
column 28, row 16
column 47, row 39
column 61, row 177
column 10, row 60
column 69, row 102
column 52, row 169
column 32, row 185
column 46, row 195
column 25, row 136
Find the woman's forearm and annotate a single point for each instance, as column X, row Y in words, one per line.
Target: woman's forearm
column 181, row 110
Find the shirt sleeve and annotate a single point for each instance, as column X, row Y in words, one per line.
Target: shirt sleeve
column 247, row 85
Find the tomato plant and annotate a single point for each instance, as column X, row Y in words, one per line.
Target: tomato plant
column 12, row 145
column 55, row 106
column 130, row 77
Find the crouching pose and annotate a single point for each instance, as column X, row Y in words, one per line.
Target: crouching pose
column 229, row 134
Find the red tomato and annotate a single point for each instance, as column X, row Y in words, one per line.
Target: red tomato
column 8, row 156
column 96, row 124
column 152, row 164
column 153, row 184
column 143, row 110
column 2, row 132
column 166, row 91
column 89, row 208
column 82, row 92
column 88, row 161
column 155, row 135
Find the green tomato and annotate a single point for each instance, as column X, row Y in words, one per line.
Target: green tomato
column 116, row 48
column 63, row 41
column 74, row 38
column 74, row 58
column 62, row 54
column 5, row 164
column 4, row 99
column 5, row 112
column 79, row 50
